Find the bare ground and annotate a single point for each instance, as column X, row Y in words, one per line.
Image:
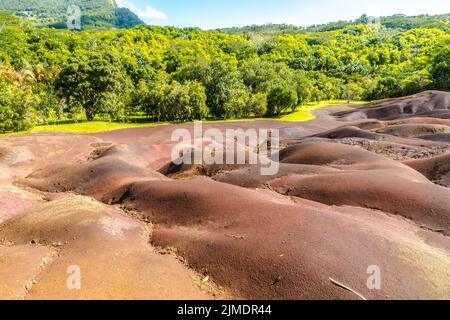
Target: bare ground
column 357, row 187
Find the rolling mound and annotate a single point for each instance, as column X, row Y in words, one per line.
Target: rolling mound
column 436, row 169
column 12, row 156
column 303, row 241
column 351, row 193
column 427, row 104
column 428, row 205
column 7, row 174
column 405, row 139
column 361, row 179
column 15, row 201
column 414, row 130
column 388, row 133
column 251, row 178
column 444, row 137
column 110, row 250
column 92, row 178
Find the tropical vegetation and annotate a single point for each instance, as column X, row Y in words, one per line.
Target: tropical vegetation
column 173, row 74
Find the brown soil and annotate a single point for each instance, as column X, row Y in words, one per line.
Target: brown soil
column 427, row 104
column 437, row 169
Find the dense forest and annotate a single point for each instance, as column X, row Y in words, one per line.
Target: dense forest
column 398, row 21
column 99, row 14
column 172, row 74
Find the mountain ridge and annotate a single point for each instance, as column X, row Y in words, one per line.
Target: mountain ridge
column 103, row 14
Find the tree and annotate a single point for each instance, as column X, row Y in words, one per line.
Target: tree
column 282, row 96
column 257, row 105
column 386, row 87
column 225, row 90
column 242, row 50
column 15, row 108
column 197, row 107
column 237, row 102
column 257, row 74
column 170, row 100
column 416, row 82
column 94, row 83
column 276, row 81
column 151, row 96
column 352, row 91
column 186, row 102
column 303, row 86
column 440, row 71
column 244, row 72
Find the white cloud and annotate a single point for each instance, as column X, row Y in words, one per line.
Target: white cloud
column 151, row 13
column 148, row 13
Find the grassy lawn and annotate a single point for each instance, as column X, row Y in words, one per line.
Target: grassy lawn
column 93, row 126
column 84, row 127
column 303, row 114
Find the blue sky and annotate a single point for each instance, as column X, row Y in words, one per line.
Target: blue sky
column 208, row 14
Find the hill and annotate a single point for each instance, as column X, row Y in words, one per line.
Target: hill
column 94, row 13
column 398, row 21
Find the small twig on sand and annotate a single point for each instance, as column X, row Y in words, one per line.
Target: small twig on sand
column 431, row 229
column 347, row 288
column 235, row 237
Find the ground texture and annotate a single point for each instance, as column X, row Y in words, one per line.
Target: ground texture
column 357, row 187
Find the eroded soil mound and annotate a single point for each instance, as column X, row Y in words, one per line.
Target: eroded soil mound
column 436, row 169
column 412, row 138
column 427, row 104
column 93, row 178
column 340, row 205
column 109, row 249
column 279, row 249
column 15, row 201
column 361, row 179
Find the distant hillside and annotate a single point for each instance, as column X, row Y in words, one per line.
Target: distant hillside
column 398, row 21
column 95, row 13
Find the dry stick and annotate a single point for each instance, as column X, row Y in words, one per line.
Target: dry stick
column 347, row 288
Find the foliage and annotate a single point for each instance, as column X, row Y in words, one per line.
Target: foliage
column 94, row 13
column 95, row 84
column 14, row 108
column 440, row 71
column 305, row 114
column 173, row 74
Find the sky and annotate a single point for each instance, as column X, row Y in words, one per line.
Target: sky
column 210, row 14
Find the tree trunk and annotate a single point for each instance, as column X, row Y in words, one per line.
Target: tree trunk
column 90, row 115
